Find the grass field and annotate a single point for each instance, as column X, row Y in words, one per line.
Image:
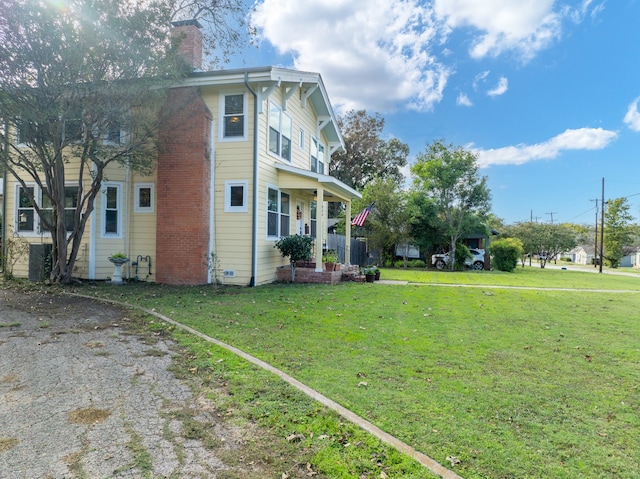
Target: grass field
column 512, row 383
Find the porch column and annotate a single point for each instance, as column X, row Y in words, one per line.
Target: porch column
column 321, row 228
column 347, row 232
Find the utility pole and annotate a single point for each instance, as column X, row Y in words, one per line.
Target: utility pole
column 552, row 213
column 595, row 249
column 602, row 228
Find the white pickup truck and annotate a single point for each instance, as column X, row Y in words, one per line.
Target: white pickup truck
column 476, row 262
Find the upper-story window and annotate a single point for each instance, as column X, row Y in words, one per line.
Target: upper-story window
column 280, row 131
column 317, row 156
column 108, row 132
column 233, row 121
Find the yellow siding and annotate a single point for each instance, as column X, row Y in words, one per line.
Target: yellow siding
column 232, row 241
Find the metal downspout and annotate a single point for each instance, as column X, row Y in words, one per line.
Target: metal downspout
column 212, row 214
column 254, row 232
column 3, row 232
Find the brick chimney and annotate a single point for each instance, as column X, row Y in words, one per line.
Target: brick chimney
column 189, row 36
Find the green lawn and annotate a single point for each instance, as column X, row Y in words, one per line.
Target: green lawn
column 514, row 383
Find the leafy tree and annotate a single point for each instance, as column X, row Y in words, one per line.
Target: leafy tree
column 449, row 176
column 367, row 155
column 505, row 253
column 297, row 248
column 74, row 76
column 618, row 234
column 388, row 224
column 426, row 228
column 550, row 240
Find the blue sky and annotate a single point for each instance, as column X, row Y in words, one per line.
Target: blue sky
column 545, row 92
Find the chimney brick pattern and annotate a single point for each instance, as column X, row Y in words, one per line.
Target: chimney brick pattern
column 183, row 196
column 189, row 37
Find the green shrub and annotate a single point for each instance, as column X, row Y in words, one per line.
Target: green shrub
column 417, row 263
column 398, row 263
column 297, row 248
column 462, row 254
column 506, row 253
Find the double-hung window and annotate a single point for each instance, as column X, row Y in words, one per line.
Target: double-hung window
column 280, row 131
column 28, row 221
column 278, row 213
column 313, row 207
column 70, row 205
column 317, row 156
column 26, row 215
column 111, row 210
column 233, row 116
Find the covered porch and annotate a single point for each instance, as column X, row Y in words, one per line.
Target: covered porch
column 318, row 189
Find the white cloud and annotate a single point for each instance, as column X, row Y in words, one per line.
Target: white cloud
column 501, row 88
column 463, row 100
column 632, row 118
column 522, row 26
column 388, row 54
column 374, row 54
column 578, row 139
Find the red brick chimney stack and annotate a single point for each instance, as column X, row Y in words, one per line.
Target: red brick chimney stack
column 188, row 33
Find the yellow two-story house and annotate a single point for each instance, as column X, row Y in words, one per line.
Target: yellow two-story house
column 242, row 162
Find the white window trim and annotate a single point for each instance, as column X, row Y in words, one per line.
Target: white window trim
column 245, row 196
column 280, row 192
column 136, row 197
column 324, row 163
column 281, row 113
column 38, row 231
column 36, row 219
column 103, row 209
column 301, row 138
column 245, row 114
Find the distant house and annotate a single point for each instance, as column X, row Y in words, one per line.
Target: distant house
column 632, row 260
column 244, row 162
column 582, row 254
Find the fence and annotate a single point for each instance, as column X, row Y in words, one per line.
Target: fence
column 337, row 243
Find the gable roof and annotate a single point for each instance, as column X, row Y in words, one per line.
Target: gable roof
column 263, row 80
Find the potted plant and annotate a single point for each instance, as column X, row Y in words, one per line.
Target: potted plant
column 297, row 248
column 370, row 273
column 377, row 272
column 118, row 259
column 330, row 258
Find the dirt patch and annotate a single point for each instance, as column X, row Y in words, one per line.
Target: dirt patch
column 88, row 415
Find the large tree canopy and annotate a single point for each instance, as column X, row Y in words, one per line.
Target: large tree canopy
column 85, row 80
column 618, row 234
column 449, row 176
column 367, row 155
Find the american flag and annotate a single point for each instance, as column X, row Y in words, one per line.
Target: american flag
column 362, row 216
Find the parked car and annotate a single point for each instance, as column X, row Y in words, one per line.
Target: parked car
column 476, row 262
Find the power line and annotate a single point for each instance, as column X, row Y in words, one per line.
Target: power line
column 552, row 213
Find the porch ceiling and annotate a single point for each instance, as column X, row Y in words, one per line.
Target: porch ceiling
column 293, row 178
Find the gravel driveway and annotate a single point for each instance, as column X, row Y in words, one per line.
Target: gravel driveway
column 83, row 397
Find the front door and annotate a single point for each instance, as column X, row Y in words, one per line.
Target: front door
column 300, row 217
